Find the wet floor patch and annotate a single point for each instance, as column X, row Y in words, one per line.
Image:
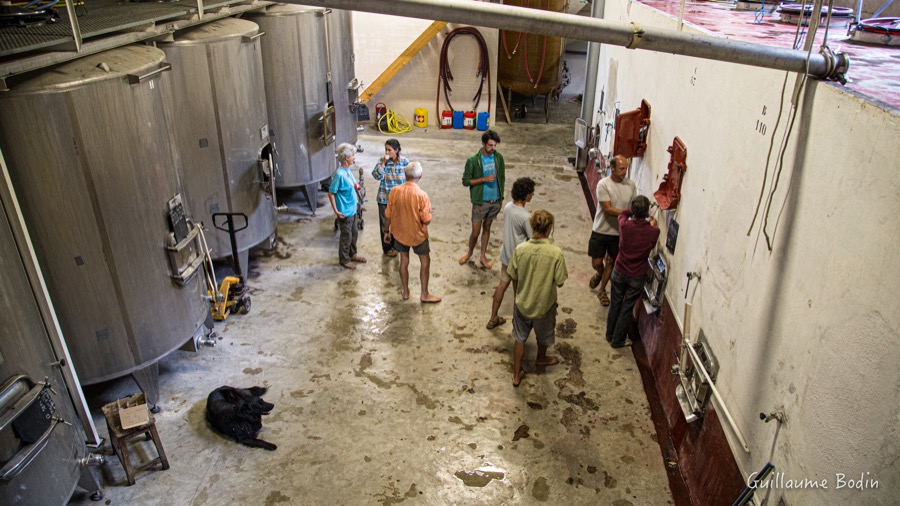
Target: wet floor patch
column 276, row 497
column 540, row 490
column 565, row 329
column 481, row 476
column 521, row 432
column 581, row 399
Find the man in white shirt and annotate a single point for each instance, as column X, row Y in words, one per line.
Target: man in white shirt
column 614, row 194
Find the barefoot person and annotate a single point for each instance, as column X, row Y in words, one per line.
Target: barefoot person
column 484, row 174
column 539, row 268
column 342, row 195
column 390, row 171
column 406, row 218
column 516, row 230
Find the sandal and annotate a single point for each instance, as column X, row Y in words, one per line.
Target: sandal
column 604, row 299
column 627, row 342
column 595, row 280
column 492, row 324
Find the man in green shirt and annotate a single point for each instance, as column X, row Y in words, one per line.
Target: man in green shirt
column 485, row 175
column 539, row 268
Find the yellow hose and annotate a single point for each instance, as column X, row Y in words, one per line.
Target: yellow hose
column 395, row 124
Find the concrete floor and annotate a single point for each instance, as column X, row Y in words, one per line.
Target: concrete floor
column 382, row 401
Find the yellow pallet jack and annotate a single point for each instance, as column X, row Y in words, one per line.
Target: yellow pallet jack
column 229, row 297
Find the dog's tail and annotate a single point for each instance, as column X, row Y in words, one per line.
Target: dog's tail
column 259, row 443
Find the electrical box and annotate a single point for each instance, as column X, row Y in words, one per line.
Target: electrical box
column 693, row 391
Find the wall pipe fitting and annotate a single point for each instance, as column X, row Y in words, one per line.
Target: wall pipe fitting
column 824, row 65
column 712, row 386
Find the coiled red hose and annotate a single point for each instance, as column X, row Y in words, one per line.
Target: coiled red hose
column 445, row 75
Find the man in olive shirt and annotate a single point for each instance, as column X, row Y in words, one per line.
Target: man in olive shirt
column 539, row 268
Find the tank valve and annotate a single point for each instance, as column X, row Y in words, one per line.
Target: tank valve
column 209, row 340
column 775, row 415
column 92, row 459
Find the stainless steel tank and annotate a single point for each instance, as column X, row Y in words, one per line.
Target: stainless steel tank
column 221, row 129
column 531, row 64
column 295, row 65
column 40, row 458
column 91, row 157
column 345, row 85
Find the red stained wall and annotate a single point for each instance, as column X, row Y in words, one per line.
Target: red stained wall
column 705, row 460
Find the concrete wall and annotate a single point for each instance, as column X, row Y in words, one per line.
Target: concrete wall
column 379, row 39
column 813, row 325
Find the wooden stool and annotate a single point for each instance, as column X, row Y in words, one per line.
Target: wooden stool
column 119, row 438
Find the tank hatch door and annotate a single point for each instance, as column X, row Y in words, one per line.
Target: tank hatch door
column 631, row 131
column 669, row 192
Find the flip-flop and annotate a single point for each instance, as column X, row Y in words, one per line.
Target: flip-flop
column 520, row 378
column 492, row 324
column 550, row 361
column 604, row 299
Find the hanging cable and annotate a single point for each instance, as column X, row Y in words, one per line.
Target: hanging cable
column 795, row 104
column 445, row 75
column 762, row 190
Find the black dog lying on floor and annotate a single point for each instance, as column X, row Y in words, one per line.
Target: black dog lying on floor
column 237, row 413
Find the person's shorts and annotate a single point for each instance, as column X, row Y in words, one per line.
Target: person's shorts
column 544, row 327
column 504, row 276
column 421, row 249
column 488, row 210
column 603, row 244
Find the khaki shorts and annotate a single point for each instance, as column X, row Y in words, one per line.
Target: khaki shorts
column 487, row 211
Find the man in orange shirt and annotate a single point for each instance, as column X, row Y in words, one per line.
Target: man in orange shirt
column 407, row 217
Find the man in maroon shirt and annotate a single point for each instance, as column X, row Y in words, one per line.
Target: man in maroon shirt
column 637, row 238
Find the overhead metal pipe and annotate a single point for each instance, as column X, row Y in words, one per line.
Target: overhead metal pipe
column 590, row 84
column 825, row 65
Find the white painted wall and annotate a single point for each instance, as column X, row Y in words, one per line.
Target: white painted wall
column 814, row 324
column 379, row 39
